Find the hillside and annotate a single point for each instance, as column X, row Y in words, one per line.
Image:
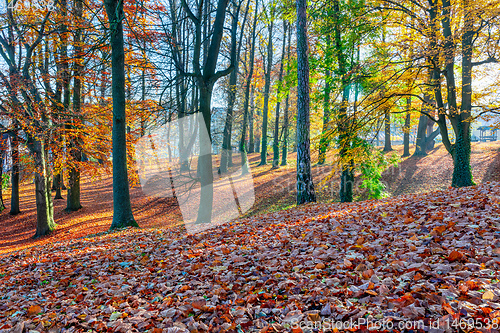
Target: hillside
column 274, row 191
column 396, row 263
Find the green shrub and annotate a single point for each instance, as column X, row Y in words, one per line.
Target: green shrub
column 372, row 167
column 5, row 181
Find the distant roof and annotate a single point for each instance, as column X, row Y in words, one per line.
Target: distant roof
column 487, row 128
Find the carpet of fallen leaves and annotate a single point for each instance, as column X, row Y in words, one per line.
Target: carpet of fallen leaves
column 429, row 260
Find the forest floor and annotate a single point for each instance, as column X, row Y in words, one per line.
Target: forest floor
column 422, row 261
column 412, row 263
column 274, row 191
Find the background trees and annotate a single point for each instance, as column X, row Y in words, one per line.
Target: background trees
column 373, row 67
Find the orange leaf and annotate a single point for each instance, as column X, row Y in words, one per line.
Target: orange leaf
column 320, row 266
column 368, row 274
column 34, row 310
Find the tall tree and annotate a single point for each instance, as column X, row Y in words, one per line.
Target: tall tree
column 326, row 131
column 305, row 185
column 276, row 138
column 344, row 123
column 205, row 79
column 26, row 103
column 267, row 86
column 248, row 84
column 387, row 131
column 122, row 209
column 251, row 140
column 226, row 158
column 73, row 202
column 406, row 129
column 286, row 117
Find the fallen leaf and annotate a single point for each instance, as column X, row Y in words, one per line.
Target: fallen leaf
column 34, row 310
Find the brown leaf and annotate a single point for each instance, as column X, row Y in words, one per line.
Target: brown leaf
column 368, row 274
column 199, row 304
column 347, row 263
column 320, row 266
column 455, row 256
column 361, row 268
column 314, row 317
column 34, row 310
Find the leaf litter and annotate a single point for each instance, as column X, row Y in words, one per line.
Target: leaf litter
column 428, row 258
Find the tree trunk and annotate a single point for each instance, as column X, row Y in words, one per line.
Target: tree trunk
column 233, row 79
column 346, row 160
column 205, row 82
column 226, row 157
column 305, row 185
column 421, row 144
column 267, row 88
column 276, row 139
column 122, row 210
column 44, row 207
column 387, row 131
column 14, row 199
column 66, row 75
column 343, row 123
column 143, row 98
column 243, row 149
column 324, row 141
column 73, row 202
column 462, row 172
column 284, row 153
column 57, row 186
column 407, row 129
column 205, row 159
column 421, row 140
column 251, row 139
column 248, row 86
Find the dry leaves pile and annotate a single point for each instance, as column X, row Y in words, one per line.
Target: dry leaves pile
column 430, row 259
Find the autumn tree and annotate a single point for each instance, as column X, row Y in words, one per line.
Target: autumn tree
column 286, row 115
column 305, row 185
column 248, row 82
column 276, row 136
column 24, row 33
column 73, row 202
column 270, row 17
column 236, row 43
column 122, row 210
column 206, row 77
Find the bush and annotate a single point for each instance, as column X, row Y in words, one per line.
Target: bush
column 372, row 167
column 5, row 181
